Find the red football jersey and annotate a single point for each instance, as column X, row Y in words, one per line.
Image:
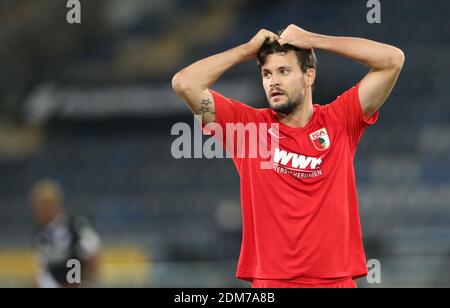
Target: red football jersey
column 300, row 217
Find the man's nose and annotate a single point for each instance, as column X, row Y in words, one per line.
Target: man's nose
column 274, row 81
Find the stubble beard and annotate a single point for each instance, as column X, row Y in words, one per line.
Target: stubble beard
column 288, row 107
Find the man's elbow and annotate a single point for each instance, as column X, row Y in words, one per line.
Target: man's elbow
column 397, row 59
column 179, row 83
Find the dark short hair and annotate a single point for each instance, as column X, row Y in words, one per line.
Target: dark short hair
column 306, row 57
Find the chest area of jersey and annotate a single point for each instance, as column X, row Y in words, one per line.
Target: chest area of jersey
column 302, row 155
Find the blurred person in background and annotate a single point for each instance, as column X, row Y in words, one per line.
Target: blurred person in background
column 301, row 225
column 61, row 238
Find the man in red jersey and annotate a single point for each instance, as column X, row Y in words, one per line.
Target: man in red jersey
column 301, row 224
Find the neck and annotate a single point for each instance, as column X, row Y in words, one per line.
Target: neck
column 301, row 116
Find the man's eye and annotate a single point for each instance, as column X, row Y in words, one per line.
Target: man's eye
column 284, row 72
column 266, row 75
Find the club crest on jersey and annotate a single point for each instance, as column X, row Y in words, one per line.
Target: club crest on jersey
column 320, row 139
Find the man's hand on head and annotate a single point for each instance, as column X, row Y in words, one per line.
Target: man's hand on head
column 296, row 36
column 255, row 44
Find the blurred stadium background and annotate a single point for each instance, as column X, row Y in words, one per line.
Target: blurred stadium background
column 91, row 107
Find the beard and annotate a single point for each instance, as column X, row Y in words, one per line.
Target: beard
column 286, row 108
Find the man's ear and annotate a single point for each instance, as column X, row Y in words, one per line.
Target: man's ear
column 310, row 77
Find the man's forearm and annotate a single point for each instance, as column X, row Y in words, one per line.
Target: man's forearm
column 202, row 74
column 193, row 82
column 386, row 62
column 376, row 55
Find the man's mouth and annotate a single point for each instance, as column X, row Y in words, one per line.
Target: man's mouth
column 274, row 94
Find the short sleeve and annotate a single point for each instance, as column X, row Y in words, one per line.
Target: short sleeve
column 348, row 111
column 229, row 110
column 228, row 113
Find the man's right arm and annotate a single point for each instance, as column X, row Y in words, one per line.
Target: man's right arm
column 192, row 83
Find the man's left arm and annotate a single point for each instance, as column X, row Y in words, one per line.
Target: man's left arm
column 385, row 61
